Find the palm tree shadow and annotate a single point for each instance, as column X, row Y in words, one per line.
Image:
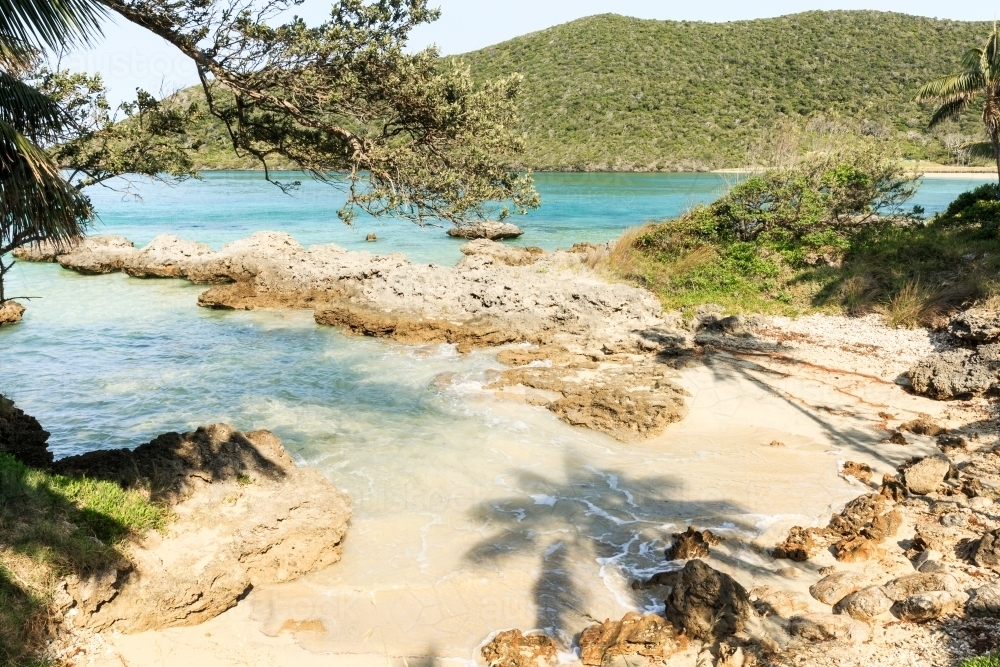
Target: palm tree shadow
column 619, row 523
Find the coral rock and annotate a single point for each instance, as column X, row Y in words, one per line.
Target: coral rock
column 636, row 639
column 513, row 649
column 707, row 604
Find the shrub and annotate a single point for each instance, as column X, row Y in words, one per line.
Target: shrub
column 992, row 660
column 977, row 207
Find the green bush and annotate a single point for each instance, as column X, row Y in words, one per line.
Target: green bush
column 976, row 207
column 983, row 661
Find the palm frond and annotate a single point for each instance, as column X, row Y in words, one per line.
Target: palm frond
column 952, row 86
column 982, row 149
column 36, row 202
column 950, row 109
column 50, row 23
column 26, row 109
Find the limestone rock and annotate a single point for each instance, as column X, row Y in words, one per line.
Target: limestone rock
column 23, row 437
column 799, row 546
column 918, row 583
column 246, row 516
column 11, row 312
column 691, row 544
column 784, row 604
column 988, row 552
column 511, row 648
column 829, row 627
column 503, row 254
column 929, row 606
column 833, row 588
column 859, row 471
column 855, row 550
column 984, row 601
column 486, row 229
column 98, row 254
column 857, row 514
column 167, row 257
column 707, row 604
column 957, row 373
column 976, row 325
column 893, row 488
column 865, row 604
column 923, row 426
column 926, row 475
column 883, row 526
column 46, row 251
column 634, row 640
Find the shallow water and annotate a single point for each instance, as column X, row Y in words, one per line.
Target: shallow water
column 472, row 514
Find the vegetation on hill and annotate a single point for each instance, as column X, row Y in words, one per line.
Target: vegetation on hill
column 611, row 92
column 830, row 233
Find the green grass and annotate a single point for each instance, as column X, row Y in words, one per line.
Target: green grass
column 52, row 526
column 983, row 661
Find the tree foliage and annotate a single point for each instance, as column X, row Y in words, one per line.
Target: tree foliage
column 415, row 137
column 980, row 75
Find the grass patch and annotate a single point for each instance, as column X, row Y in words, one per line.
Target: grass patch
column 52, row 526
column 983, row 661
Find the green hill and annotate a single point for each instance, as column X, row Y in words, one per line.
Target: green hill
column 612, row 92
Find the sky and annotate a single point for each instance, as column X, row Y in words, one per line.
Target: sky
column 129, row 57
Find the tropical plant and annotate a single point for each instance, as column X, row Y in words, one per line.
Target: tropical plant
column 957, row 92
column 36, row 202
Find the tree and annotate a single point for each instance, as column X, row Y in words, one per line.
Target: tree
column 36, row 202
column 957, row 92
column 414, row 136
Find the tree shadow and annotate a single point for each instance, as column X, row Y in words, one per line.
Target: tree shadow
column 619, row 521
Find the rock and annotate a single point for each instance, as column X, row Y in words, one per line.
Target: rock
column 893, row 488
column 957, row 373
column 23, row 437
column 46, row 251
column 829, row 627
column 865, row 604
column 976, row 325
column 927, row 556
column 922, row 426
column 707, row 604
column 855, row 550
column 11, row 312
column 513, row 649
column 778, row 603
column 859, row 471
column 691, row 544
column 929, row 606
column 953, row 441
column 857, row 514
column 980, row 503
column 167, row 256
column 833, row 588
column 984, row 601
column 486, row 229
column 897, row 438
column 634, row 640
column 98, row 254
column 371, row 237
column 988, row 552
column 926, row 475
column 799, row 546
column 246, row 516
column 503, row 254
column 916, row 584
column 932, row 567
column 883, row 526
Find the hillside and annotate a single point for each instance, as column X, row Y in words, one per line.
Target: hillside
column 612, row 92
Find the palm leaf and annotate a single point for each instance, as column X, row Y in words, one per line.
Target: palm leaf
column 983, row 149
column 950, row 109
column 952, row 86
column 50, row 23
column 25, row 108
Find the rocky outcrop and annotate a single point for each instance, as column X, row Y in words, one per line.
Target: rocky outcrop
column 23, row 437
column 829, row 627
column 245, row 516
column 692, row 544
column 11, row 312
column 487, row 229
column 634, row 640
column 511, row 648
column 706, row 604
column 926, row 475
column 957, row 373
column 503, row 254
column 976, row 325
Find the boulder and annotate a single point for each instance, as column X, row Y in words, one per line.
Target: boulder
column 511, row 648
column 784, row 604
column 957, row 373
column 929, row 606
column 246, row 516
column 893, row 488
column 865, row 604
column 98, row 254
column 829, row 627
column 706, row 604
column 634, row 640
column 486, row 229
column 799, row 546
column 23, row 437
column 11, row 312
column 926, row 475
column 984, row 601
column 833, row 588
column 691, row 544
column 857, row 514
column 976, row 325
column 988, row 552
column 855, row 549
column 920, row 582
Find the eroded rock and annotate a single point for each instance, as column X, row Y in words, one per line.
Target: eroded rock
column 919, row 583
column 865, row 604
column 976, row 325
column 829, row 627
column 988, row 551
column 503, row 254
column 634, row 640
column 486, row 229
column 833, row 588
column 859, row 471
column 957, row 373
column 707, row 604
column 511, row 648
column 799, row 546
column 926, row 475
column 11, row 312
column 984, row 601
column 929, row 606
column 23, row 437
column 692, row 544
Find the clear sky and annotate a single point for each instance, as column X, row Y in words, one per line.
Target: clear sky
column 129, row 57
